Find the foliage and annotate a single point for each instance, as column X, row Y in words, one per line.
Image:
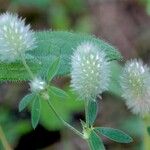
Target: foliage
column 51, row 58
column 92, row 133
column 35, row 111
column 114, row 86
column 52, row 44
column 25, row 101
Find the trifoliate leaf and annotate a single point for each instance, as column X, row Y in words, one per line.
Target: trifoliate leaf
column 114, row 134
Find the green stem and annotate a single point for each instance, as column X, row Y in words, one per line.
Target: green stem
column 146, row 139
column 86, row 112
column 63, row 121
column 4, row 140
column 52, row 108
column 26, row 66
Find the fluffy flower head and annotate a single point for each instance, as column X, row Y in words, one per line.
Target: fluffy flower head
column 90, row 71
column 135, row 83
column 37, row 85
column 15, row 37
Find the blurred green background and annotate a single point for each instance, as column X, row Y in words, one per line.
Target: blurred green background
column 123, row 23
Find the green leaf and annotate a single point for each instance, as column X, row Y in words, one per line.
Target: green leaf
column 91, row 112
column 95, row 142
column 52, row 71
column 114, row 134
column 16, row 71
column 51, row 45
column 35, row 112
column 58, row 92
column 25, row 101
column 114, row 86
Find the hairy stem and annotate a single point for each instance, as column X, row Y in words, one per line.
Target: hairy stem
column 4, row 140
column 86, row 112
column 26, row 66
column 63, row 121
column 146, row 139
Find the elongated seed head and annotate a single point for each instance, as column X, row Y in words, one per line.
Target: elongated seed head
column 135, row 84
column 15, row 37
column 90, row 71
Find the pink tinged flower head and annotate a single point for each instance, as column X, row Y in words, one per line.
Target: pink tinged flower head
column 135, row 84
column 15, row 37
column 90, row 71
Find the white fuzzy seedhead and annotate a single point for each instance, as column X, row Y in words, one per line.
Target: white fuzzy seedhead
column 90, row 71
column 135, row 83
column 37, row 85
column 15, row 37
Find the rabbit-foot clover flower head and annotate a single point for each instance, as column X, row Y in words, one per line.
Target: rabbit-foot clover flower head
column 15, row 37
column 135, row 84
column 90, row 71
column 37, row 85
